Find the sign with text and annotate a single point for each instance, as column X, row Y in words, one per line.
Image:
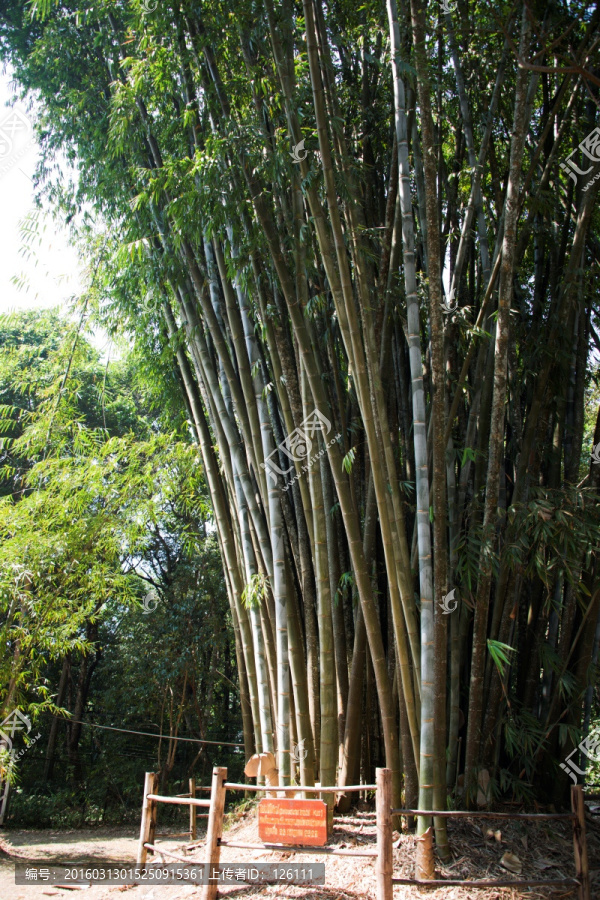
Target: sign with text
column 293, row 822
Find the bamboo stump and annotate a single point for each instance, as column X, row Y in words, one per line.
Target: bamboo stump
column 385, row 862
column 582, row 869
column 148, row 824
column 425, row 863
column 215, row 830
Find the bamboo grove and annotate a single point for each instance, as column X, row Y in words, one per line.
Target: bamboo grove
column 353, row 232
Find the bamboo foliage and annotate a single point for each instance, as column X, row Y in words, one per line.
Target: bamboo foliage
column 300, row 185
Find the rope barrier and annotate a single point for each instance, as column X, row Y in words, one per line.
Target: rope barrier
column 167, row 737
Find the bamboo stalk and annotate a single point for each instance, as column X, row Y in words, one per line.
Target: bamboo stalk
column 496, row 435
column 579, row 843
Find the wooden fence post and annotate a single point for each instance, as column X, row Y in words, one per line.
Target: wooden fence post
column 385, row 862
column 193, row 810
column 215, row 829
column 579, row 843
column 154, row 811
column 148, row 825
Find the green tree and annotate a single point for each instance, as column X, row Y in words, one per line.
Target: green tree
column 285, row 204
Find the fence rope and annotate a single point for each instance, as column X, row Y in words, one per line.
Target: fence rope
column 167, row 737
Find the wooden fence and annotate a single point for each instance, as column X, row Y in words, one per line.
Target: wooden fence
column 382, row 852
column 150, row 808
column 576, row 817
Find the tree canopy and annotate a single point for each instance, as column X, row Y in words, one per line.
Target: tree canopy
column 107, row 551
column 363, row 242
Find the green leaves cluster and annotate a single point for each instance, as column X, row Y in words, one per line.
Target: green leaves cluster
column 82, row 501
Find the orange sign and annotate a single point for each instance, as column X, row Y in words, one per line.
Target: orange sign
column 293, row 822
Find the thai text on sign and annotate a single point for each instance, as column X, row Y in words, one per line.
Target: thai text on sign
column 293, row 822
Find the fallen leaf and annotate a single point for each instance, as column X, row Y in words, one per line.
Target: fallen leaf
column 498, row 836
column 543, row 863
column 512, row 862
column 489, row 835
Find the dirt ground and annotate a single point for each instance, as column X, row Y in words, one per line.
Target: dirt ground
column 544, row 851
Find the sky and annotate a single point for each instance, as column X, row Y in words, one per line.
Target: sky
column 51, row 272
column 48, row 270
